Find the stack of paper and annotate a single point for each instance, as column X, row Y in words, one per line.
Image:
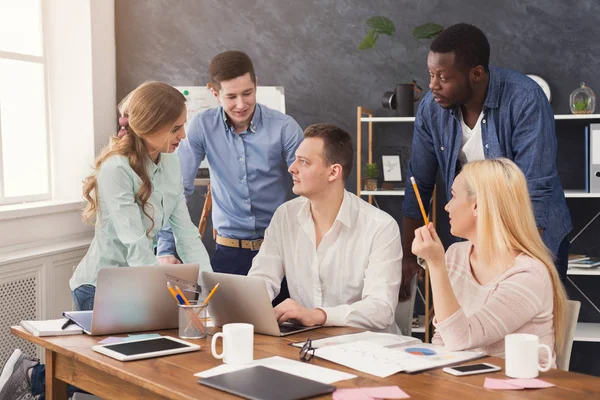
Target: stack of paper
column 584, row 262
column 383, row 361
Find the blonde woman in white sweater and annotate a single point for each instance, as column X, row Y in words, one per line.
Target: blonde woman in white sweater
column 502, row 279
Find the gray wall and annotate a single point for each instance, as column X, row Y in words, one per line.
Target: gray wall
column 310, row 47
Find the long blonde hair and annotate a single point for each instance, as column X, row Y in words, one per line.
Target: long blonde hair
column 149, row 108
column 505, row 223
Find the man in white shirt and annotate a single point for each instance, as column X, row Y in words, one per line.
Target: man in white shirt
column 341, row 256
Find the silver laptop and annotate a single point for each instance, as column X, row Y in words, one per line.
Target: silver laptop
column 133, row 299
column 244, row 299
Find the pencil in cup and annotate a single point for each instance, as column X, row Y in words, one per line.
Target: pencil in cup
column 205, row 302
column 414, row 184
column 192, row 315
column 182, row 300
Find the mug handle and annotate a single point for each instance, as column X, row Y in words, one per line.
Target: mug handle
column 550, row 358
column 213, row 347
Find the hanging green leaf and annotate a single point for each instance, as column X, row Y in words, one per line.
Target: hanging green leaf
column 427, row 31
column 382, row 25
column 369, row 40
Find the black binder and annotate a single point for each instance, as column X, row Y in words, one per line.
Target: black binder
column 262, row 383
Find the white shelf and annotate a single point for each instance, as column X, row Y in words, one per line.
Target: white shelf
column 581, row 194
column 577, row 116
column 387, row 119
column 587, row 332
column 398, row 192
column 412, row 119
column 420, row 329
column 583, row 271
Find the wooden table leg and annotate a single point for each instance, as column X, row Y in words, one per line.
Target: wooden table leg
column 55, row 389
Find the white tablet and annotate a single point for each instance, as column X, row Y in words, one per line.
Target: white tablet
column 146, row 348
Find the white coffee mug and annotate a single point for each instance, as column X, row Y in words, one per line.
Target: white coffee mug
column 238, row 344
column 522, row 356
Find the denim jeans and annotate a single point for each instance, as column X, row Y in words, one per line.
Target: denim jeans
column 83, row 297
column 38, row 383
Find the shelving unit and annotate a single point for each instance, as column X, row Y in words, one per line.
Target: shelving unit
column 579, row 194
column 583, row 271
column 412, row 119
column 585, row 331
column 398, row 192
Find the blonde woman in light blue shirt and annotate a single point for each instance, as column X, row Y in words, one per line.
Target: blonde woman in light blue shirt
column 136, row 189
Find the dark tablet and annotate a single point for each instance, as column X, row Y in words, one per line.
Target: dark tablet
column 262, row 383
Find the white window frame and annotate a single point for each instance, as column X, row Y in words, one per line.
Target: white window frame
column 39, row 60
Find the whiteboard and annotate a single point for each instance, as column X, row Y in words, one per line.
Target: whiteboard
column 200, row 98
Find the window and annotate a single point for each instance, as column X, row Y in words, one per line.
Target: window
column 24, row 144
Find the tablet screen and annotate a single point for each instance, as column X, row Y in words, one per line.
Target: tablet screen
column 145, row 346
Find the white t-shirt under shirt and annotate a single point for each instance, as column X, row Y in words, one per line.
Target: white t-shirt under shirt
column 472, row 143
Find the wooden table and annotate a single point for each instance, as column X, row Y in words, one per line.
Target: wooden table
column 70, row 359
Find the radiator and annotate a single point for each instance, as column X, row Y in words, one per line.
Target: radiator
column 34, row 285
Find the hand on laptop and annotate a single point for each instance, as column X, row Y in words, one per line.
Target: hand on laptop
column 290, row 310
column 165, row 260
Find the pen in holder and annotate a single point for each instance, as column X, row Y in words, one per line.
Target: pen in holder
column 192, row 320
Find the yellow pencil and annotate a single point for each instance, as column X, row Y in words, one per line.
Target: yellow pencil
column 179, row 292
column 211, row 294
column 172, row 291
column 412, row 179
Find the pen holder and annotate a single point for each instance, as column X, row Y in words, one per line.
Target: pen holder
column 192, row 320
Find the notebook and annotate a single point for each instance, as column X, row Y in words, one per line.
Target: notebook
column 51, row 327
column 591, row 262
column 262, row 383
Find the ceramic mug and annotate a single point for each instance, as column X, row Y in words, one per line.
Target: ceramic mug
column 522, row 356
column 238, row 344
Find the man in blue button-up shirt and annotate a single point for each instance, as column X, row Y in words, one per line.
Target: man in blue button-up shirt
column 249, row 148
column 474, row 112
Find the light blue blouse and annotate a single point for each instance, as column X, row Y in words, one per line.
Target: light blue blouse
column 120, row 233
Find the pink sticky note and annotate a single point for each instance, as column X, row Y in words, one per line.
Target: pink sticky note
column 372, row 393
column 350, row 394
column 500, row 384
column 386, row 392
column 531, row 383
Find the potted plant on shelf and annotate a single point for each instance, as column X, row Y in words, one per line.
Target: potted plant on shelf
column 404, row 96
column 372, row 173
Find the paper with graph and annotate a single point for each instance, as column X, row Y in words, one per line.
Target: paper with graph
column 381, row 361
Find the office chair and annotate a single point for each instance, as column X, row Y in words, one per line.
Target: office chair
column 563, row 357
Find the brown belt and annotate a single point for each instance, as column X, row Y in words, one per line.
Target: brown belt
column 253, row 245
